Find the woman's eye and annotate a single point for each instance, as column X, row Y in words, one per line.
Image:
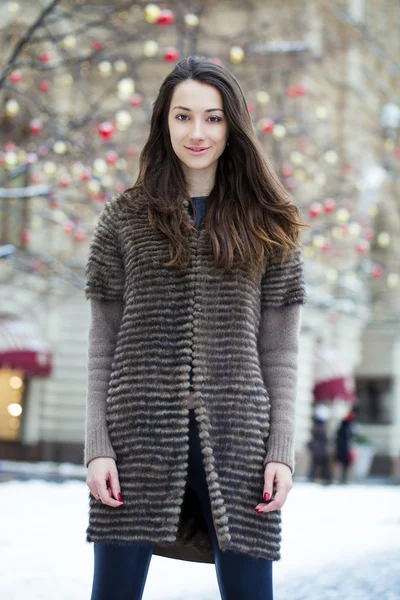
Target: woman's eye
column 214, row 118
column 178, row 117
column 217, row 119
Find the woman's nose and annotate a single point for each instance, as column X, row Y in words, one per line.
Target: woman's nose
column 196, row 132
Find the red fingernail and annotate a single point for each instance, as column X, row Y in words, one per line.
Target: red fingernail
column 120, row 497
column 267, row 497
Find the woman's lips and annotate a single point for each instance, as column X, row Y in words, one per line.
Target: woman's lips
column 195, row 150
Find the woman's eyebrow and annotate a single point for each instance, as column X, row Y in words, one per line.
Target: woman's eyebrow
column 188, row 109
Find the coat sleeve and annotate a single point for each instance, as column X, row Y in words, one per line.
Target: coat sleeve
column 104, row 268
column 104, row 326
column 282, row 294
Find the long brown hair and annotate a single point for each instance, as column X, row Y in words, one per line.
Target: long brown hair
column 249, row 212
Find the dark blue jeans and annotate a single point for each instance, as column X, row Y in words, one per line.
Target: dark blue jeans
column 120, row 571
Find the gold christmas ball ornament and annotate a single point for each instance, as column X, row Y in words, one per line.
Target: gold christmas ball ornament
column 262, row 97
column 60, row 147
column 191, row 20
column 120, row 66
column 100, row 166
column 21, row 156
column 279, row 131
column 126, row 88
column 121, row 164
column 123, row 119
column 331, row 157
column 308, row 252
column 69, row 42
column 10, row 159
column 342, row 215
column 373, row 210
column 321, row 112
column 107, row 181
column 392, row 280
column 354, row 229
column 12, row 107
column 66, row 80
column 152, row 12
column 150, row 48
column 49, row 168
column 297, row 158
column 299, row 174
column 105, row 68
column 93, row 186
column 13, row 8
column 236, row 54
column 383, row 239
column 318, row 241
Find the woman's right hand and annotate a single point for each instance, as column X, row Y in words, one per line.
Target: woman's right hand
column 102, row 480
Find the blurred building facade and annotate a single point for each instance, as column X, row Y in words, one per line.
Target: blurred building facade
column 343, row 53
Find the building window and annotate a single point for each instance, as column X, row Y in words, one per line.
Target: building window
column 374, row 400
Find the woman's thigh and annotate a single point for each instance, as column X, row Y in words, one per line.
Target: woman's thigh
column 120, row 570
column 240, row 576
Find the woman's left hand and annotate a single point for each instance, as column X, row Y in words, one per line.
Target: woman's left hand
column 281, row 475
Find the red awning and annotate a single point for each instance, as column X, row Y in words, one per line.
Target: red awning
column 22, row 347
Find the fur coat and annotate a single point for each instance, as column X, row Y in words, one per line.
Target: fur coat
column 216, row 320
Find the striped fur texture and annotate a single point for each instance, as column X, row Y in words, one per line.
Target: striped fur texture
column 170, row 316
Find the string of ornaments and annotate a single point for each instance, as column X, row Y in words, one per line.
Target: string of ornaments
column 334, row 228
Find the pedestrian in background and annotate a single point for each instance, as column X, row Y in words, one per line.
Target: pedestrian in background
column 344, row 436
column 195, row 277
column 320, row 468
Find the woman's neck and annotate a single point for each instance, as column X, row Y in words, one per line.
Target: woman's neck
column 199, row 182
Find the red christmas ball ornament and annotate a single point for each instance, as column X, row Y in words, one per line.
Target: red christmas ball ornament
column 300, row 90
column 377, row 272
column 286, row 172
column 45, row 57
column 106, row 129
column 315, row 210
column 25, row 237
column 79, row 235
column 362, row 246
column 10, row 146
column 65, row 181
column 44, row 85
column 348, row 169
column 136, row 100
column 327, row 247
column 15, row 76
column 369, row 234
column 97, row 45
column 344, row 229
column 304, row 142
column 35, row 126
column 251, row 107
column 166, row 17
column 396, row 153
column 133, row 150
column 37, row 178
column 268, row 125
column 171, row 55
column 86, row 174
column 329, row 205
column 111, row 157
column 291, row 91
column 68, row 227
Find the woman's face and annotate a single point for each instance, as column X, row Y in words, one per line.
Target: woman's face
column 197, row 125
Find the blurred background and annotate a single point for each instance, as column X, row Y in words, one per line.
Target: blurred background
column 77, row 83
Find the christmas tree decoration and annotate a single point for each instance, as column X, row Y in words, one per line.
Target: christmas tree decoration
column 342, row 215
column 166, row 17
column 100, row 166
column 120, row 66
column 191, row 20
column 262, row 97
column 69, row 42
column 106, row 130
column 321, row 112
column 60, row 147
column 377, row 272
column 331, row 157
column 12, row 107
column 44, row 85
column 65, row 181
column 236, row 54
column 49, row 168
column 150, row 48
column 266, row 125
column 35, row 126
column 171, row 55
column 279, row 131
column 329, row 205
column 315, row 210
column 152, row 13
column 111, row 157
column 123, row 119
column 136, row 100
column 383, row 239
column 126, row 88
column 363, row 246
column 45, row 57
column 392, row 280
column 97, row 45
column 105, row 68
column 15, row 77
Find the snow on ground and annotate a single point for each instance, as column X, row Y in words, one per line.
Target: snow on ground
column 339, row 542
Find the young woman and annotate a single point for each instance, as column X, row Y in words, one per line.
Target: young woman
column 195, row 278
